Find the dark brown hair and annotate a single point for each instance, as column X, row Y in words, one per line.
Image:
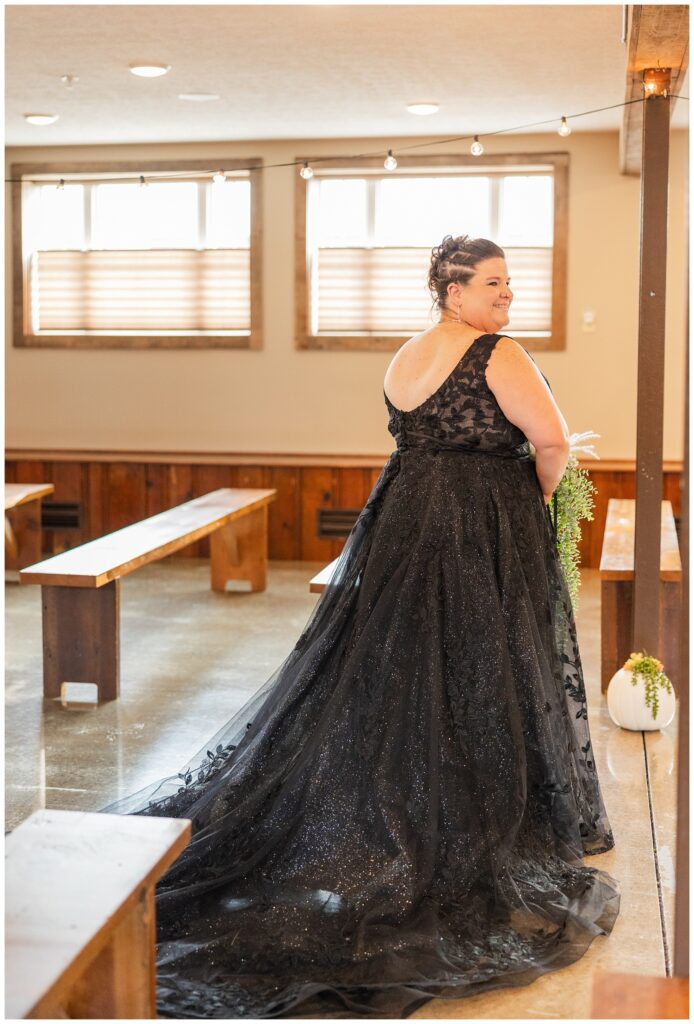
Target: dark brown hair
column 455, row 260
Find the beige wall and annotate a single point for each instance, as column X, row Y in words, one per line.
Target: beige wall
column 283, row 400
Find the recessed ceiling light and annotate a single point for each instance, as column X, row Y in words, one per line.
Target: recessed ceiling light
column 40, row 118
column 198, row 97
column 423, row 108
column 149, row 70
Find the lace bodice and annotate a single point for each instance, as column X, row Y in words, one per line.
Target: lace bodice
column 462, row 413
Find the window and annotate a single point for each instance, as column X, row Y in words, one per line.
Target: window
column 105, row 263
column 364, row 240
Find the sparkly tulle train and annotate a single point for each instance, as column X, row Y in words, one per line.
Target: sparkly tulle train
column 401, row 811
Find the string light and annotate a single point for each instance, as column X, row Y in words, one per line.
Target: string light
column 654, row 80
column 61, row 183
column 219, row 177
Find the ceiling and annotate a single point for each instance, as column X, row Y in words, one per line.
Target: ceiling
column 312, row 71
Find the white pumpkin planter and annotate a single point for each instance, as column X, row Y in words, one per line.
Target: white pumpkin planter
column 627, row 706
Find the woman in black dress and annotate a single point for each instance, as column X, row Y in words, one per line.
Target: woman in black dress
column 401, row 811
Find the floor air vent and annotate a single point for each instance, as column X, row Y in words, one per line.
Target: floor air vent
column 336, row 522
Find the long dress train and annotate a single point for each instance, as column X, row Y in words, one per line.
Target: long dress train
column 401, row 811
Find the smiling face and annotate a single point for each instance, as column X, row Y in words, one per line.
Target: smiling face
column 485, row 300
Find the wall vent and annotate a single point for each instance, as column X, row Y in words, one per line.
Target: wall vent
column 335, row 523
column 61, row 515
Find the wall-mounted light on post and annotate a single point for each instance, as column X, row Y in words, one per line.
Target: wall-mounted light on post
column 656, row 81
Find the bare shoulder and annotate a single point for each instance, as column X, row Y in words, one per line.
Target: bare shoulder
column 415, row 350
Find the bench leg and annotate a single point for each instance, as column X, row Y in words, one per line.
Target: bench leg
column 23, row 535
column 615, row 627
column 120, row 983
column 81, row 638
column 238, row 551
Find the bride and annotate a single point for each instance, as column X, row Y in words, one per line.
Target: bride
column 401, row 812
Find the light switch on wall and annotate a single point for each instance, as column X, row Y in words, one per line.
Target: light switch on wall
column 588, row 321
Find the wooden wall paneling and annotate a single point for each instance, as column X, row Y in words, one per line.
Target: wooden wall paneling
column 67, row 480
column 97, row 500
column 126, row 494
column 284, row 517
column 31, row 471
column 156, row 489
column 352, row 492
column 116, row 494
column 252, row 476
column 318, row 490
column 353, row 488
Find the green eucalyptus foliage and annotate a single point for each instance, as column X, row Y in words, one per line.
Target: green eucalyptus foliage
column 575, row 502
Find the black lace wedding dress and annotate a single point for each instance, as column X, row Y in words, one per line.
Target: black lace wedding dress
column 401, row 811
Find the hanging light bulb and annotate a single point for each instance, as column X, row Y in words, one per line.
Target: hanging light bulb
column 142, row 181
column 564, row 129
column 61, row 183
column 390, row 163
column 219, row 177
column 477, row 149
column 306, row 172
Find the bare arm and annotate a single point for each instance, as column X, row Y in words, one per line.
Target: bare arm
column 526, row 400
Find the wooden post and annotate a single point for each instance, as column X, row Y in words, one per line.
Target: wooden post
column 651, row 373
column 81, row 638
column 238, row 551
column 681, row 952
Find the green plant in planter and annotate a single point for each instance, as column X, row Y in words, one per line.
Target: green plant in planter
column 574, row 502
column 641, row 664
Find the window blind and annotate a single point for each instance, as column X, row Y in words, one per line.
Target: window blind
column 383, row 290
column 140, row 289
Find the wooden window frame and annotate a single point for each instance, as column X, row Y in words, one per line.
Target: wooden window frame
column 389, row 343
column 22, row 335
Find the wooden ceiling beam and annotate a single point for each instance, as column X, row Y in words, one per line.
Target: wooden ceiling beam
column 658, row 36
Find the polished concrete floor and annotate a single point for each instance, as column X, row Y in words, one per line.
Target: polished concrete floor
column 190, row 658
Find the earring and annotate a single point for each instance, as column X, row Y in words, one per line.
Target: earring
column 460, row 319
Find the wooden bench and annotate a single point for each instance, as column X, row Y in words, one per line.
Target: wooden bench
column 80, row 588
column 23, row 523
column 320, row 581
column 80, row 913
column 617, row 584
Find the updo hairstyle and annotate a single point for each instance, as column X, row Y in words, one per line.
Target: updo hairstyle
column 455, row 260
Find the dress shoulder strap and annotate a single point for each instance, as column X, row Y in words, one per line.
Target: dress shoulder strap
column 475, row 360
